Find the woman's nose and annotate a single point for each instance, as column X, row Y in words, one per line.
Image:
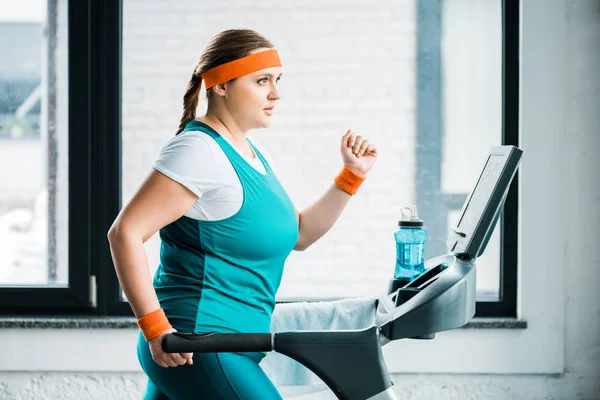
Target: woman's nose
column 274, row 95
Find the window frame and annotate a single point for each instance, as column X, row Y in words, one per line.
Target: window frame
column 94, row 91
column 430, row 130
column 95, row 157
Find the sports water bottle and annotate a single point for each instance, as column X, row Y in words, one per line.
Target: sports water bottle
column 410, row 245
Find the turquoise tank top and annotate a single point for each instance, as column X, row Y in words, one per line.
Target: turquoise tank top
column 223, row 275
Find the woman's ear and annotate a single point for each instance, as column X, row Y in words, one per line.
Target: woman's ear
column 220, row 89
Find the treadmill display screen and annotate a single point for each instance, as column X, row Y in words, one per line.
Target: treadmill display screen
column 481, row 195
column 484, row 204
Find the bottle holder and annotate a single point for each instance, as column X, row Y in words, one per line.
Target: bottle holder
column 406, row 290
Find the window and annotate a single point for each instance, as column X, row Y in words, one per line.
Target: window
column 34, row 147
column 51, row 209
column 29, row 151
column 434, row 84
column 467, row 102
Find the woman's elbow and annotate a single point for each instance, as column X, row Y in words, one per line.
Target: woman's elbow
column 118, row 233
column 114, row 231
column 301, row 244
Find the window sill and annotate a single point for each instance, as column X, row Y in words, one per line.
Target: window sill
column 39, row 344
column 130, row 323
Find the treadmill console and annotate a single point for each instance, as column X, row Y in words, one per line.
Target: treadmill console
column 484, row 204
column 444, row 296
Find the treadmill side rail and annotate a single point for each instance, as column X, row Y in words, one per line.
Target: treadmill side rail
column 349, row 362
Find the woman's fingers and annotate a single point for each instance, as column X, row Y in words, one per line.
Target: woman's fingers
column 351, row 140
column 188, row 357
column 357, row 143
column 370, row 150
column 166, row 361
column 178, row 359
column 170, row 360
column 363, row 147
column 346, row 136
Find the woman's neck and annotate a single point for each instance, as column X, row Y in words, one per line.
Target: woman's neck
column 230, row 130
column 224, row 123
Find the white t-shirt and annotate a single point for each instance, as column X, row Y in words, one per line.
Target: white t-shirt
column 195, row 160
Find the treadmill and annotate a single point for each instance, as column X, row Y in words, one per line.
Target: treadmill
column 443, row 297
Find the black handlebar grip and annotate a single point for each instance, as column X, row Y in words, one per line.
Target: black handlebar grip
column 213, row 342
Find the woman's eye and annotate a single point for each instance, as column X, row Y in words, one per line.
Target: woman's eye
column 265, row 80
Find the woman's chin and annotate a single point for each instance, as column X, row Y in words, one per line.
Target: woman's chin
column 265, row 122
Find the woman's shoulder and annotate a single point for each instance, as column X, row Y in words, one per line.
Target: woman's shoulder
column 191, row 149
column 189, row 139
column 193, row 159
column 195, row 145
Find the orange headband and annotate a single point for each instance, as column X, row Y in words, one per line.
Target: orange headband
column 240, row 67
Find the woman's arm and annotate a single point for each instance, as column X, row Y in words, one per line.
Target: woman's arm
column 316, row 220
column 157, row 203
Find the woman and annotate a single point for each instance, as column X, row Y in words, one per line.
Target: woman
column 226, row 225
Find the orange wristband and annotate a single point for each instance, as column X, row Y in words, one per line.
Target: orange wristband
column 153, row 324
column 348, row 180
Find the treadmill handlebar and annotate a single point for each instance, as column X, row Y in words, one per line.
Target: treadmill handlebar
column 209, row 342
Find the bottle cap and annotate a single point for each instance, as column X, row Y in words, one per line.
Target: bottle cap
column 410, row 217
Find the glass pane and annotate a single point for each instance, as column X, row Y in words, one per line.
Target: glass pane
column 33, row 143
column 354, row 68
column 472, row 110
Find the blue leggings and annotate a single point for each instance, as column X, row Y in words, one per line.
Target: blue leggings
column 212, row 376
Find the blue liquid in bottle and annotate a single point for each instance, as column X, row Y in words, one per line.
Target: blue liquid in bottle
column 410, row 246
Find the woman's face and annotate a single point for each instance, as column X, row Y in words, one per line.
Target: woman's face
column 252, row 98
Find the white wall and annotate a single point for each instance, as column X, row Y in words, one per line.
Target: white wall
column 557, row 357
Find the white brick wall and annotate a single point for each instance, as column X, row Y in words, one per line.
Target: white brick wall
column 346, row 65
